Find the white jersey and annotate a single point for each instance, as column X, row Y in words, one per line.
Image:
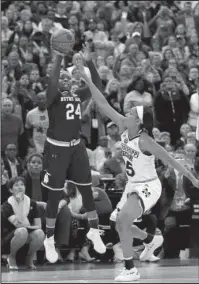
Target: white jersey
column 139, row 167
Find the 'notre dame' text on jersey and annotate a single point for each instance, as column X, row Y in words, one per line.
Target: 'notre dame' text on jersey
column 64, row 118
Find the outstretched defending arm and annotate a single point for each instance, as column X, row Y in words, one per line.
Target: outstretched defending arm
column 149, row 144
column 102, row 102
column 85, row 93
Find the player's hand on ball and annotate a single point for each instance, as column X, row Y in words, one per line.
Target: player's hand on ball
column 62, row 41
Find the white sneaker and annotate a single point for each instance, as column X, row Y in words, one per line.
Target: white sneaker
column 153, row 258
column 94, row 236
column 128, row 275
column 151, row 247
column 51, row 254
column 118, row 254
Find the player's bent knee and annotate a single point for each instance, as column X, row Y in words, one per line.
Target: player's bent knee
column 38, row 235
column 21, row 233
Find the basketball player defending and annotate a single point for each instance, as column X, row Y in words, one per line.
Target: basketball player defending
column 143, row 188
column 65, row 156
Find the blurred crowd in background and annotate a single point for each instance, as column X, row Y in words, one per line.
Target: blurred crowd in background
column 146, row 53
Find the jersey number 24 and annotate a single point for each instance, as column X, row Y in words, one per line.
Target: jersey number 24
column 129, row 169
column 71, row 111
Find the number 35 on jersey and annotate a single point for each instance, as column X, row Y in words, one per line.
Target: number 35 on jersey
column 72, row 111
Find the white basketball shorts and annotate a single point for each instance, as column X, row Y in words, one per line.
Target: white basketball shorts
column 148, row 192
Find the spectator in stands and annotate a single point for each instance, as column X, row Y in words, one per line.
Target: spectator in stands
column 99, row 156
column 4, row 179
column 120, row 181
column 190, row 154
column 37, row 124
column 11, row 19
column 23, row 95
column 35, row 81
column 165, row 137
column 194, row 110
column 14, row 65
column 13, row 164
column 115, row 165
column 112, row 131
column 75, row 206
column 187, row 18
column 191, row 138
column 5, row 31
column 119, row 47
column 179, row 213
column 22, row 224
column 102, row 201
column 193, row 79
column 94, row 33
column 177, row 110
column 11, row 125
column 156, row 134
column 60, row 16
column 181, row 52
column 193, row 196
column 137, row 95
column 32, row 176
column 77, row 57
column 184, row 130
column 190, row 190
column 112, row 94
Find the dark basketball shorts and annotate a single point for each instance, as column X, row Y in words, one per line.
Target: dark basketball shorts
column 63, row 164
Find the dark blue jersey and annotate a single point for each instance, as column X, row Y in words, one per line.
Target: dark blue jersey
column 64, row 118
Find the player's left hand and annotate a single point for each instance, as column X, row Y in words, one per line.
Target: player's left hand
column 86, row 53
column 81, row 69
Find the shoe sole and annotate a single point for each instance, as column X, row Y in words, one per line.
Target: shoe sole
column 124, row 281
column 149, row 260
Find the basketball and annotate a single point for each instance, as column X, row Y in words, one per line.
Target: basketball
column 62, row 41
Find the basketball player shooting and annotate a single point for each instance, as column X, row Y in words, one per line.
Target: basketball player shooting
column 143, row 188
column 65, row 156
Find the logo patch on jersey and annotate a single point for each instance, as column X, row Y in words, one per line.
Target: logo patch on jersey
column 146, row 191
column 129, row 152
column 126, row 140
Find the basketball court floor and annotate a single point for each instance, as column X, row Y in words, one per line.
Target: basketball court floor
column 165, row 271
